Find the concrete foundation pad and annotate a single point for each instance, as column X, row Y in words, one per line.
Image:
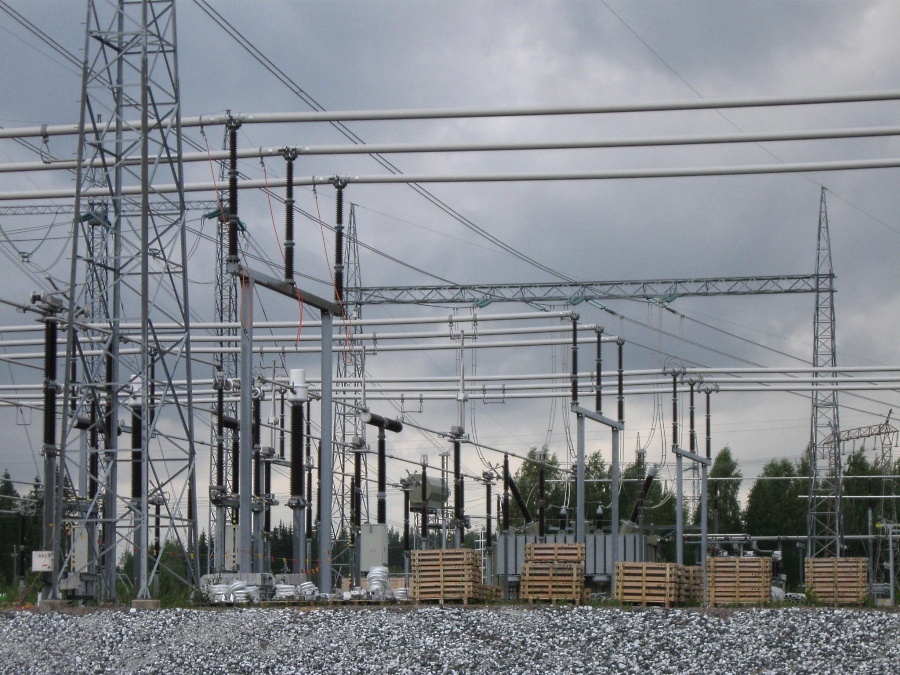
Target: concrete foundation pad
column 145, row 604
column 47, row 606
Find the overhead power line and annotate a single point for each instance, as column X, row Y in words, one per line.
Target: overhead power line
column 350, row 135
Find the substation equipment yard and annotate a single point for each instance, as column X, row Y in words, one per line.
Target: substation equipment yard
column 159, row 426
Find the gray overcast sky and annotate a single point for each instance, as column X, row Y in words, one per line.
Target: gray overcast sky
column 386, row 55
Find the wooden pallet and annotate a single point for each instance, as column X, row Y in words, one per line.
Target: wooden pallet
column 447, row 575
column 648, row 583
column 552, row 581
column 837, row 581
column 739, row 581
column 464, row 593
column 690, row 584
column 555, row 553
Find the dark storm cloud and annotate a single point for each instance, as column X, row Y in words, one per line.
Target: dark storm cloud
column 360, row 55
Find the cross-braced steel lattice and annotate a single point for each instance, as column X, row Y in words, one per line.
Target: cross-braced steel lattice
column 127, row 319
column 824, row 500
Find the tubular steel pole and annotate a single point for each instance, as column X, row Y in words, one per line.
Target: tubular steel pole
column 406, row 535
column 458, row 493
column 424, row 506
column 298, row 396
column 219, row 534
column 679, row 494
column 579, row 449
column 136, row 482
column 488, row 535
column 326, row 458
column 614, row 465
column 258, row 520
column 50, row 449
column 704, row 499
column 309, row 489
column 245, row 443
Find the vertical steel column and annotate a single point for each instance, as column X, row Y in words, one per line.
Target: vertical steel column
column 111, row 490
column 615, row 476
column 458, row 499
column 309, row 488
column 356, row 514
column 598, row 394
column 406, row 490
column 580, row 530
column 704, row 498
column 326, row 458
column 488, row 535
column 50, row 448
column 692, row 441
column 257, row 503
column 111, row 496
column 424, row 489
column 298, row 394
column 245, row 459
column 219, row 534
column 137, row 482
column 679, row 487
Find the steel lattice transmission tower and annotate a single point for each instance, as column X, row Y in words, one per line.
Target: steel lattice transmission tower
column 350, row 371
column 883, row 506
column 824, row 502
column 127, row 320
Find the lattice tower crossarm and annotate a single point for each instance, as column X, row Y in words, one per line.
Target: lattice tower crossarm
column 660, row 290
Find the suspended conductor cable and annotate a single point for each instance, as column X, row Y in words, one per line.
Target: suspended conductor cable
column 262, row 163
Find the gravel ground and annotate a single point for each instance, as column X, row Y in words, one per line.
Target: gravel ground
column 452, row 640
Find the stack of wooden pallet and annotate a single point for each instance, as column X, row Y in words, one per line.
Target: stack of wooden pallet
column 649, row 583
column 690, row 585
column 739, row 581
column 837, row 581
column 553, row 572
column 447, row 575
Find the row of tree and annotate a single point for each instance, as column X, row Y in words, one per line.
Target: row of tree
column 775, row 507
column 20, row 528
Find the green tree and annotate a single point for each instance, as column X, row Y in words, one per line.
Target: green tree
column 527, row 479
column 204, row 551
column 858, row 481
column 10, row 524
column 281, row 547
column 395, row 550
column 725, row 514
column 657, row 516
column 774, row 509
column 596, row 488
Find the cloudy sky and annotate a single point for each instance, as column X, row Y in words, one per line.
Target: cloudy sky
column 391, row 55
